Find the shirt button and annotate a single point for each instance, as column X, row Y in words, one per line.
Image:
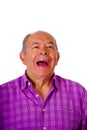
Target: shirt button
column 29, row 83
column 44, row 128
column 37, row 95
column 44, row 110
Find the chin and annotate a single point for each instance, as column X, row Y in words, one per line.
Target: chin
column 44, row 75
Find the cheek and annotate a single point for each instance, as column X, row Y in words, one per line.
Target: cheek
column 54, row 57
column 30, row 58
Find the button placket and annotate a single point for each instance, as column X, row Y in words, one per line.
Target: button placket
column 44, row 110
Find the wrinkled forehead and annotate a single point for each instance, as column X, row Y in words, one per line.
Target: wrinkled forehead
column 41, row 36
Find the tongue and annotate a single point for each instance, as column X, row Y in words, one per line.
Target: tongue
column 42, row 63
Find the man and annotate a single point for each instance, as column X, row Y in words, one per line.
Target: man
column 40, row 99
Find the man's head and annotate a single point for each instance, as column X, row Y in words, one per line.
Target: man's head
column 39, row 54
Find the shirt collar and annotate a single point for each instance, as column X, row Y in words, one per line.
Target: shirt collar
column 55, row 81
column 25, row 82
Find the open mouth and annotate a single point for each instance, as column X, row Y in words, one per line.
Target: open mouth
column 42, row 63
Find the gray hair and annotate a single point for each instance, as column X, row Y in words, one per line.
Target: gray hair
column 24, row 42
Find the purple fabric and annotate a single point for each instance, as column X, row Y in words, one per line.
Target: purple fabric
column 21, row 108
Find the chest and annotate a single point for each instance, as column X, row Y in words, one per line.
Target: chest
column 29, row 111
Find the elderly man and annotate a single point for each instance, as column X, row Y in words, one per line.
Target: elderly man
column 40, row 99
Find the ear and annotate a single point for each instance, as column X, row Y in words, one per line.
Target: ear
column 58, row 57
column 22, row 57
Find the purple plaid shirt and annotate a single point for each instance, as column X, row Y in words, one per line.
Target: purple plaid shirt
column 21, row 108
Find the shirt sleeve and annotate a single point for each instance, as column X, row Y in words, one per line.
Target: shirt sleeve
column 84, row 110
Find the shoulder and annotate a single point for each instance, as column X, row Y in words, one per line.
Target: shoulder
column 69, row 84
column 10, row 89
column 11, row 83
column 71, row 88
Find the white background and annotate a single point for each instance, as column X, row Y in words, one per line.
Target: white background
column 66, row 20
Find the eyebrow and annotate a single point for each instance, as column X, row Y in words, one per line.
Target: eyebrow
column 35, row 43
column 52, row 43
column 49, row 43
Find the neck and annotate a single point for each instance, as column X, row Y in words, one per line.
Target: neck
column 41, row 82
column 41, row 85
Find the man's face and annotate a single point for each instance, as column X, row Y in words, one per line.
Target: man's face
column 40, row 55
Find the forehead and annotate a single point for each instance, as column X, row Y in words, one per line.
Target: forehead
column 40, row 37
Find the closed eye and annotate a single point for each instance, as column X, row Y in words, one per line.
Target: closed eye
column 35, row 47
column 50, row 47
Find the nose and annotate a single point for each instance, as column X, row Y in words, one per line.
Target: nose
column 43, row 51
